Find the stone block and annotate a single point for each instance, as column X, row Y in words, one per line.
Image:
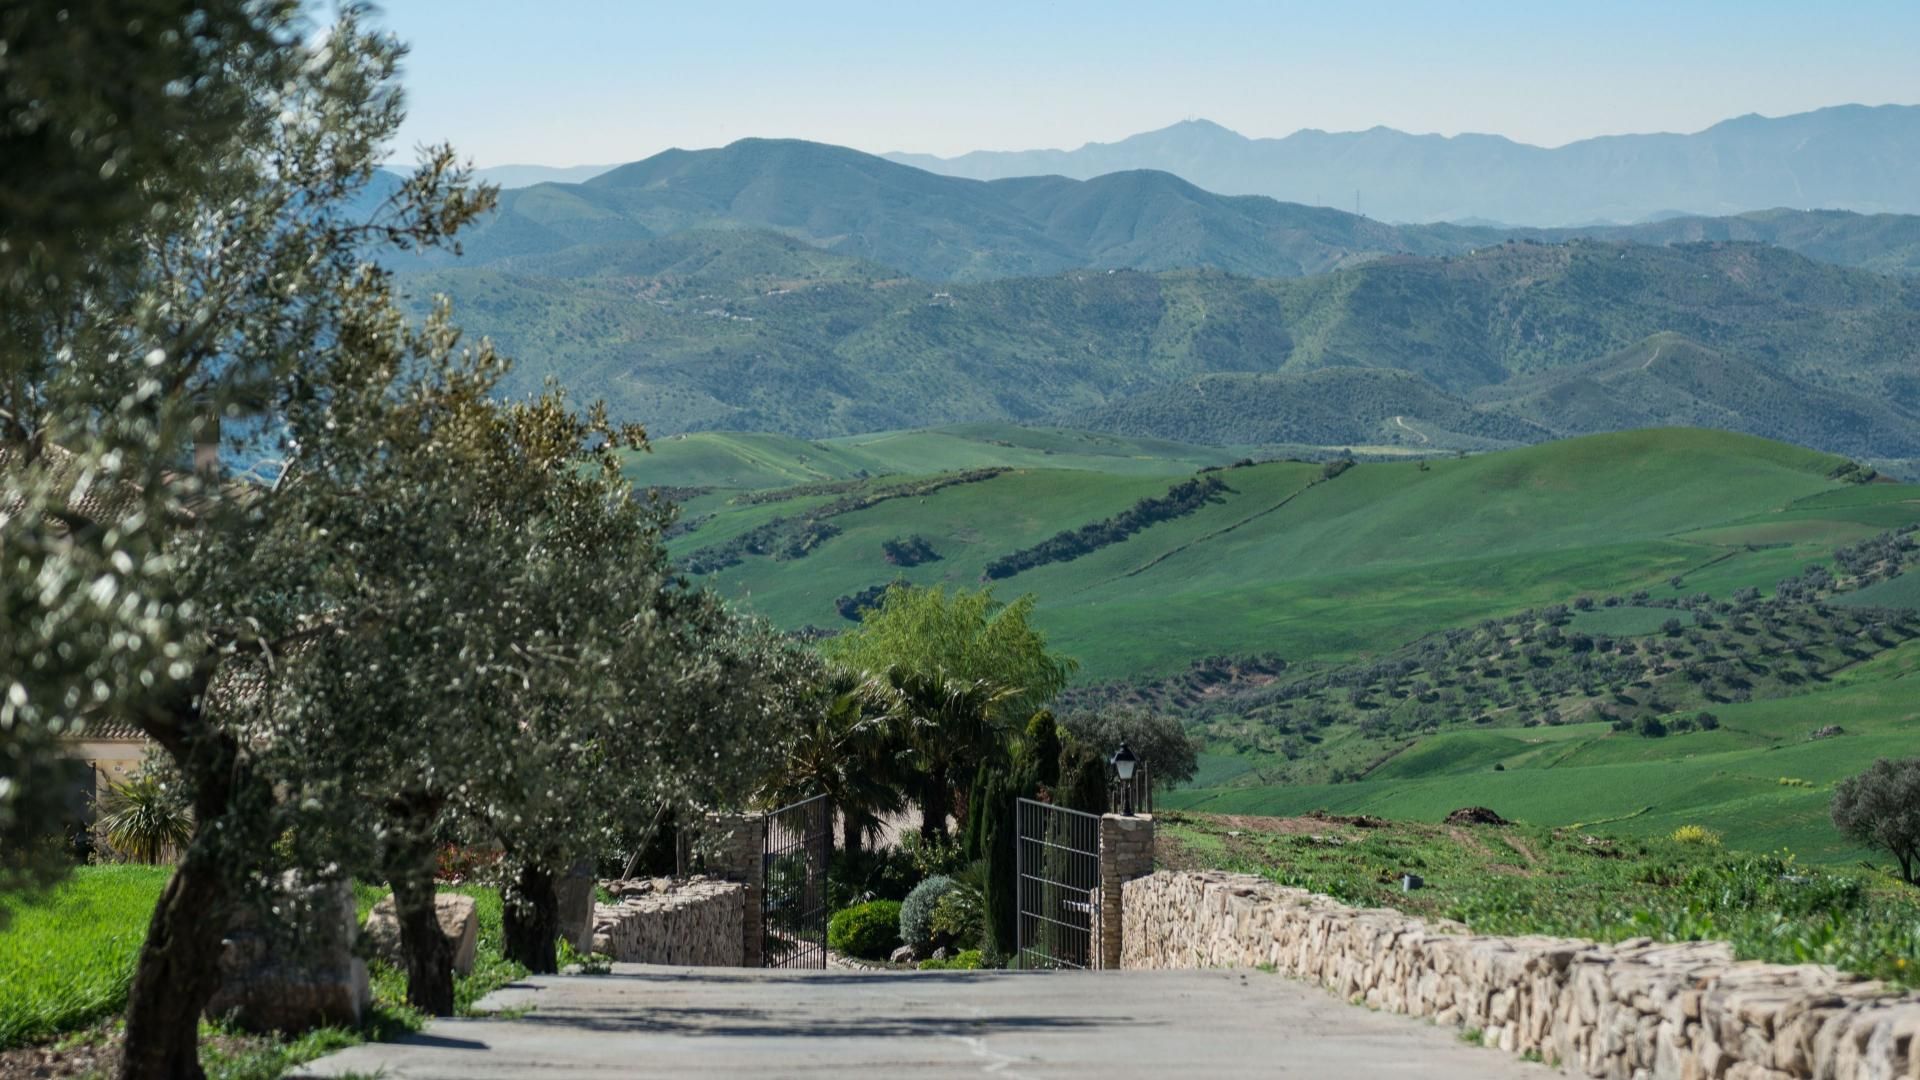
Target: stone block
column 294, row 978
column 459, row 922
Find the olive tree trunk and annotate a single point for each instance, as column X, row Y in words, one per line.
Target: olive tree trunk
column 530, row 921
column 178, row 970
column 410, row 869
column 429, row 954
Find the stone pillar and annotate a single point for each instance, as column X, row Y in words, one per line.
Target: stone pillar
column 1126, row 852
column 737, row 843
column 574, row 892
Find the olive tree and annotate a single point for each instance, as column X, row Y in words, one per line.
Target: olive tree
column 106, row 112
column 136, row 587
column 1160, row 740
column 1881, row 808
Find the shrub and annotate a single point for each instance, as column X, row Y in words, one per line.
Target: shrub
column 1697, row 835
column 960, row 916
column 965, row 960
column 916, row 912
column 859, row 876
column 932, row 857
column 144, row 820
column 870, row 931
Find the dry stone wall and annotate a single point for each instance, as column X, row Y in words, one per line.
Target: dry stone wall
column 695, row 922
column 1631, row 1010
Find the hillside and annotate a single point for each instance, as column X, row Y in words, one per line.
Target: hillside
column 1849, row 157
column 755, row 331
column 1398, row 627
column 1286, row 561
column 1338, row 406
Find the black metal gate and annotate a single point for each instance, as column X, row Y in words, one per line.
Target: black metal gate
column 1057, row 866
column 797, row 842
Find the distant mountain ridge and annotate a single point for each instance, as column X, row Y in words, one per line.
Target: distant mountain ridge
column 943, row 228
column 1846, row 157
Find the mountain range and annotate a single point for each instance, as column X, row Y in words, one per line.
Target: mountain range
column 942, row 228
column 816, row 291
column 1850, row 157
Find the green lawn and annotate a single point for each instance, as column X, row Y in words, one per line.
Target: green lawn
column 67, row 959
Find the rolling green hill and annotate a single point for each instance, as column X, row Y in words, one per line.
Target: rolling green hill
column 1402, row 626
column 1284, row 561
column 1514, row 343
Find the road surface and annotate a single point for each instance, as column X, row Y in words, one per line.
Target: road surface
column 720, row 1022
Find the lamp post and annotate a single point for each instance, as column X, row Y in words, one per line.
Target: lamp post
column 1123, row 764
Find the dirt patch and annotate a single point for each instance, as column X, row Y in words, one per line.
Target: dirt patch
column 1358, row 821
column 1475, row 815
column 1316, row 822
column 94, row 1053
column 1523, row 848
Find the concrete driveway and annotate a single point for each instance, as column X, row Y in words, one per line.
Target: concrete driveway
column 646, row 1021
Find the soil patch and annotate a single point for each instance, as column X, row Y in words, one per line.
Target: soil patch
column 1475, row 815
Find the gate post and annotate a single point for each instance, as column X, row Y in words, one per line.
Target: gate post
column 741, row 843
column 1126, row 852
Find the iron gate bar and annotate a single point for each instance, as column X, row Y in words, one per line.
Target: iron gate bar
column 796, row 844
column 1057, row 871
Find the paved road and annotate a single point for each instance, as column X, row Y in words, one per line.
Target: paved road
column 712, row 1022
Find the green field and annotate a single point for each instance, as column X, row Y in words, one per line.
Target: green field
column 744, row 462
column 1282, row 562
column 1730, row 779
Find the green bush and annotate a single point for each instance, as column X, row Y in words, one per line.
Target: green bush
column 916, row 913
column 965, row 960
column 960, row 917
column 858, row 876
column 870, row 931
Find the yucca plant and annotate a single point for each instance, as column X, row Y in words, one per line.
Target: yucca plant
column 144, row 820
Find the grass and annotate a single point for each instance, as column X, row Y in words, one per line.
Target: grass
column 67, row 959
column 1727, row 780
column 1314, row 571
column 1577, row 883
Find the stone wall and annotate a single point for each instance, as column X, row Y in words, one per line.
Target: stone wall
column 694, row 922
column 1630, row 1010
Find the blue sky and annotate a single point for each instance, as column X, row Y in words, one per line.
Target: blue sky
column 594, row 81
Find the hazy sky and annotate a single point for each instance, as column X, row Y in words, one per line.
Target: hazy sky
column 564, row 82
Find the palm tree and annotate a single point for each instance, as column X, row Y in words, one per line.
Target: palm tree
column 144, row 821
column 851, row 751
column 952, row 725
